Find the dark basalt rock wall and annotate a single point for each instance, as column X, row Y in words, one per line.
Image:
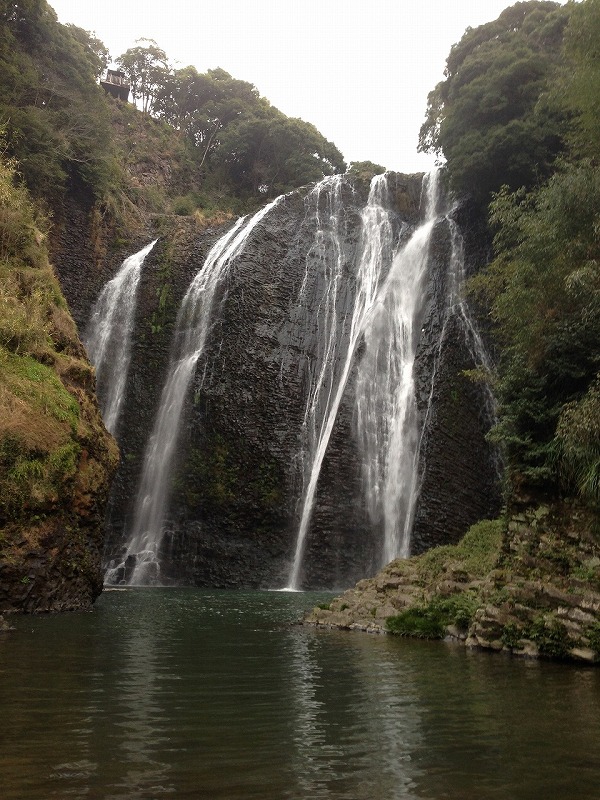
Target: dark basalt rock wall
column 234, row 509
column 459, row 475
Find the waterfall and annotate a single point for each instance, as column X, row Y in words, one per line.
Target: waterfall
column 108, row 335
column 338, row 336
column 387, row 417
column 458, row 306
column 142, row 561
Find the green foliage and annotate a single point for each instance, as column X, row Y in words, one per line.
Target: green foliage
column 42, row 423
column 578, row 444
column 184, row 206
column 19, row 222
column 488, row 117
column 512, row 99
column 476, row 553
column 239, row 140
column 550, row 635
column 39, row 387
column 146, row 68
column 578, row 91
column 593, row 635
column 365, row 170
column 58, row 121
column 94, row 50
column 422, row 623
column 511, row 635
column 544, row 293
column 430, row 620
column 56, row 114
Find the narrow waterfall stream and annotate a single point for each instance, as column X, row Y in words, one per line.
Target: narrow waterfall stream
column 336, row 355
column 458, row 306
column 387, row 417
column 108, row 335
column 141, row 565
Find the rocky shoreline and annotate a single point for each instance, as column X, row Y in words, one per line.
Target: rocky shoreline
column 529, row 586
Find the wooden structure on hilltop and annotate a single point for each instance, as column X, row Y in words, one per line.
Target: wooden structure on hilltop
column 116, row 84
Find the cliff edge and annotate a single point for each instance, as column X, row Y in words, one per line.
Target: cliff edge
column 56, row 458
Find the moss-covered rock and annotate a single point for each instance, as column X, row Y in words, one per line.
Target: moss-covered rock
column 56, row 458
column 529, row 586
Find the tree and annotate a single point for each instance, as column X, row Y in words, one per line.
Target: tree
column 578, row 93
column 57, row 116
column 147, row 70
column 239, row 138
column 94, row 49
column 488, row 117
column 544, row 292
column 365, row 170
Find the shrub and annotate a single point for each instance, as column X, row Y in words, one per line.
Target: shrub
column 430, row 620
column 476, row 553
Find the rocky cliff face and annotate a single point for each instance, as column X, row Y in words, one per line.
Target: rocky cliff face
column 56, row 458
column 234, row 507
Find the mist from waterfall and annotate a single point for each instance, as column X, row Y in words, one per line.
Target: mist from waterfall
column 339, row 330
column 191, row 331
column 387, row 415
column 108, row 335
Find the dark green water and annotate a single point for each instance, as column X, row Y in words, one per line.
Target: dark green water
column 194, row 694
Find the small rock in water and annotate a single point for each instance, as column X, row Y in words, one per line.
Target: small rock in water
column 4, row 626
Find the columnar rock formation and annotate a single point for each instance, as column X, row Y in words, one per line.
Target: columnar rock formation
column 236, row 481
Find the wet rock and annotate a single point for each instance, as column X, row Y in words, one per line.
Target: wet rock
column 236, row 481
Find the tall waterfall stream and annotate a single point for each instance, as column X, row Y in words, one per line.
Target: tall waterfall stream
column 142, row 558
column 336, row 357
column 388, row 423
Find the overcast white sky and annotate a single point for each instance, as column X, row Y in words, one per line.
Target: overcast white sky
column 360, row 70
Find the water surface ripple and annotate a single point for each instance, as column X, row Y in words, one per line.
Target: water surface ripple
column 196, row 694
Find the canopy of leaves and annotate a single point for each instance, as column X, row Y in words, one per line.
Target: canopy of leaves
column 59, row 120
column 365, row 170
column 56, row 116
column 544, row 289
column 146, row 67
column 239, row 139
column 488, row 117
column 578, row 91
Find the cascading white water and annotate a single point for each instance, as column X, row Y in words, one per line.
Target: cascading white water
column 191, row 331
column 338, row 337
column 387, row 418
column 108, row 335
column 458, row 306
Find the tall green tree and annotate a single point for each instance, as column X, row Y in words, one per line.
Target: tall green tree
column 488, row 117
column 93, row 49
column 578, row 91
column 147, row 69
column 241, row 140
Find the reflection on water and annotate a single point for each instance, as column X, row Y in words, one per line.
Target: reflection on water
column 195, row 694
column 342, row 725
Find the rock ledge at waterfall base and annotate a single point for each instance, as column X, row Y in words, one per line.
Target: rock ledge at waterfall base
column 540, row 598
